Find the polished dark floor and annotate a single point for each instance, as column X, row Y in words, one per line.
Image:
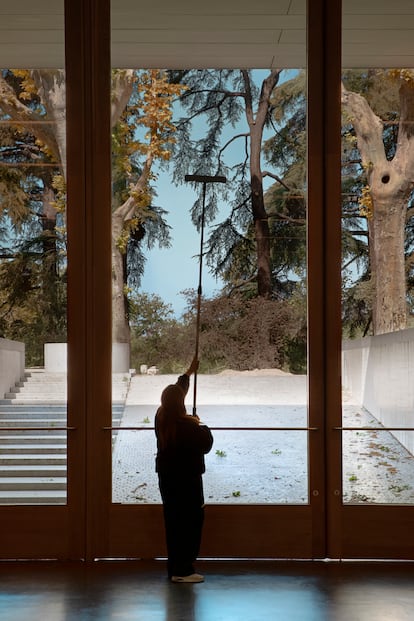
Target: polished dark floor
column 233, row 591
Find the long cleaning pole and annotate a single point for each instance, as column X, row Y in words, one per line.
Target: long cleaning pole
column 204, row 179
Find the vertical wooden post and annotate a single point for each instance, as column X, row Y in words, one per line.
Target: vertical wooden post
column 324, row 256
column 89, row 260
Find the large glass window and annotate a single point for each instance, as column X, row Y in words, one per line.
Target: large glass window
column 33, row 262
column 377, row 293
column 251, row 312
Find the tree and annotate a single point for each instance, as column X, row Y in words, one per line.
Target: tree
column 389, row 169
column 32, row 273
column 151, row 108
column 377, row 239
column 157, row 337
column 222, row 98
column 235, row 333
column 35, row 100
column 248, row 334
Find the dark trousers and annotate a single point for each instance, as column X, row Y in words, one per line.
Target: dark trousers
column 183, row 503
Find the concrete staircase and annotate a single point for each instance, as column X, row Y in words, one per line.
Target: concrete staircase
column 32, row 447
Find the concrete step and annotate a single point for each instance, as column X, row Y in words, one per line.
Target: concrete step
column 33, row 471
column 8, row 459
column 32, row 483
column 36, row 385
column 32, row 422
column 32, row 396
column 39, row 385
column 24, row 434
column 45, row 415
column 32, row 497
column 29, row 400
column 32, row 449
column 38, row 440
column 33, row 463
column 32, row 407
column 40, row 407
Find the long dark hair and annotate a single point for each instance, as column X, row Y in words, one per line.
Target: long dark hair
column 171, row 409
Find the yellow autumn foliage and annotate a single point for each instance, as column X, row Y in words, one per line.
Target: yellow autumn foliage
column 406, row 75
column 28, row 85
column 154, row 113
column 365, row 202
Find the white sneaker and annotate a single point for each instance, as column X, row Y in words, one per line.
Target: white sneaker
column 190, row 578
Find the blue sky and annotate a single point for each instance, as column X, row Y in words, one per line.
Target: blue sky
column 169, row 271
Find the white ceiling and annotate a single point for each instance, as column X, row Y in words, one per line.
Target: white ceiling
column 212, row 33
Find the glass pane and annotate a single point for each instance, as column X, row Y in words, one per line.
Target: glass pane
column 244, row 466
column 33, row 256
column 229, row 257
column 377, row 269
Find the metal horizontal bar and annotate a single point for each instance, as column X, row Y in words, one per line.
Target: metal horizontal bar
column 373, row 428
column 221, row 428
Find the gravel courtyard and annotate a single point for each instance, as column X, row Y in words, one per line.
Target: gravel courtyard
column 257, row 466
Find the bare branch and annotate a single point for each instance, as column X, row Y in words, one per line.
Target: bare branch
column 248, row 97
column 281, row 216
column 267, row 173
column 220, row 91
column 37, row 124
column 232, row 140
column 355, row 258
column 242, row 284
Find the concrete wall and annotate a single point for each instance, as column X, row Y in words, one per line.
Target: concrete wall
column 12, row 364
column 379, row 372
column 56, row 357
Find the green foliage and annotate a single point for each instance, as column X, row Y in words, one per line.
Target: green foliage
column 286, row 199
column 249, row 333
column 30, row 312
column 357, row 299
column 375, row 85
column 221, row 453
column 229, row 103
column 33, row 270
column 157, row 338
column 236, row 333
column 33, row 198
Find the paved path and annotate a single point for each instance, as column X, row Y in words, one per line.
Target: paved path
column 257, row 466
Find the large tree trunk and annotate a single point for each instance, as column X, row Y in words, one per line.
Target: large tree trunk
column 50, row 260
column 49, row 235
column 120, row 217
column 391, row 183
column 262, row 234
column 260, row 217
column 386, row 232
column 51, row 87
column 120, row 324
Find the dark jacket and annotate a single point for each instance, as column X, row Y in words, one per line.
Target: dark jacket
column 192, row 442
